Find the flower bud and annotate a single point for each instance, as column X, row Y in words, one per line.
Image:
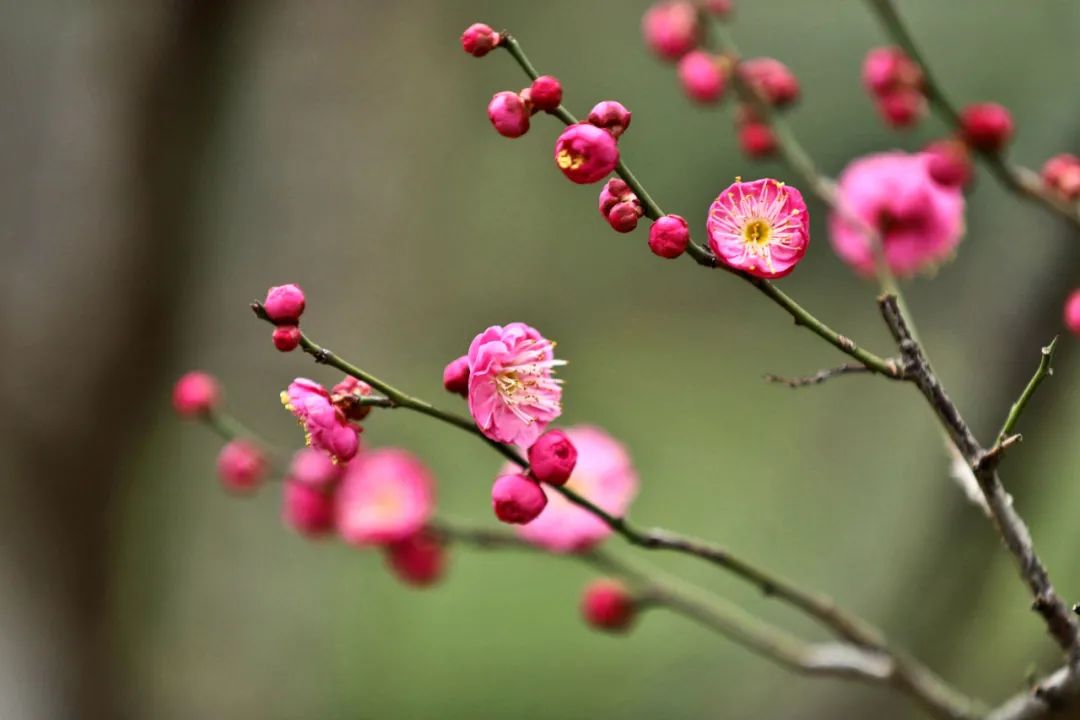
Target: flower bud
column 509, row 114
column 455, row 376
column 195, row 393
column 986, row 126
column 314, row 468
column 479, row 39
column 418, row 560
column 306, row 509
column 614, row 192
column 703, row 76
column 949, row 162
column 756, row 139
column 902, row 108
column 1072, row 312
column 345, row 394
column 611, row 116
column 552, row 458
column 607, row 605
column 669, row 236
column 1061, row 174
column 585, row 153
column 284, row 304
column 286, row 337
column 546, row 93
column 671, row 28
column 771, row 79
column 241, row 466
column 517, row 499
column 624, row 216
column 888, row 69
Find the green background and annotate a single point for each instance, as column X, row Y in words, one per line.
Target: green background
column 344, row 146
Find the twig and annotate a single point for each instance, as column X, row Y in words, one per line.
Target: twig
column 831, row 659
column 1023, row 182
column 817, row 378
column 1012, row 528
column 1044, row 371
column 1057, row 691
column 703, row 256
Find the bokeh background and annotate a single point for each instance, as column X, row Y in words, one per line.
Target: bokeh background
column 166, row 161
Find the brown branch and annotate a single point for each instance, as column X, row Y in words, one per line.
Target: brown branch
column 819, row 377
column 1055, row 693
column 1012, row 528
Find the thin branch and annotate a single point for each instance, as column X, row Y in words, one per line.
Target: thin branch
column 819, row 377
column 1012, row 528
column 1044, row 371
column 703, row 256
column 1020, row 180
column 1055, row 693
column 829, row 659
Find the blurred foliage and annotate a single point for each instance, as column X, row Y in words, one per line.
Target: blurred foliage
column 350, row 153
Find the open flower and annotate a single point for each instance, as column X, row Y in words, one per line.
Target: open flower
column 603, row 474
column 386, row 496
column 325, row 426
column 920, row 220
column 512, row 394
column 760, row 227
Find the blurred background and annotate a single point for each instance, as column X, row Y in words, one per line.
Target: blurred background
column 165, row 162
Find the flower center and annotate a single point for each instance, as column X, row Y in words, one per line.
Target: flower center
column 567, row 159
column 757, row 232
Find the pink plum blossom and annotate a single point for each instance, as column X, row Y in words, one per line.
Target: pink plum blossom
column 920, row 220
column 418, row 560
column 603, row 474
column 308, row 510
column 386, row 496
column 586, row 153
column 760, row 227
column 512, row 394
column 703, row 76
column 325, row 425
column 195, row 393
column 314, row 468
column 1072, row 312
column 671, row 28
column 241, row 466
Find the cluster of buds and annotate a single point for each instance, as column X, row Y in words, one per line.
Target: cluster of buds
column 509, row 112
column 587, row 152
column 673, row 30
column 895, row 82
column 284, row 304
column 620, row 206
column 518, row 498
column 985, row 127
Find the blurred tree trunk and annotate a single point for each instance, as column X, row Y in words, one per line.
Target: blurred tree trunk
column 107, row 123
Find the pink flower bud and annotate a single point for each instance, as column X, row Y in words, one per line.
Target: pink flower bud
column 306, row 509
column 418, row 560
column 509, row 114
column 949, row 163
column 585, row 153
column 517, row 499
column 286, row 337
column 615, row 191
column 314, row 468
column 546, row 93
column 986, row 126
column 669, row 236
column 195, row 393
column 345, row 394
column 611, row 116
column 624, row 216
column 756, row 140
column 607, row 605
column 552, row 458
column 1072, row 312
column 241, row 466
column 479, row 39
column 1061, row 174
column 771, row 79
column 455, row 376
column 284, row 304
column 887, row 69
column 671, row 28
column 703, row 76
column 902, row 108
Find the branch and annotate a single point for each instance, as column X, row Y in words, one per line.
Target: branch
column 828, row 659
column 817, row 378
column 1053, row 694
column 1044, row 370
column 1021, row 181
column 1012, row 528
column 703, row 256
